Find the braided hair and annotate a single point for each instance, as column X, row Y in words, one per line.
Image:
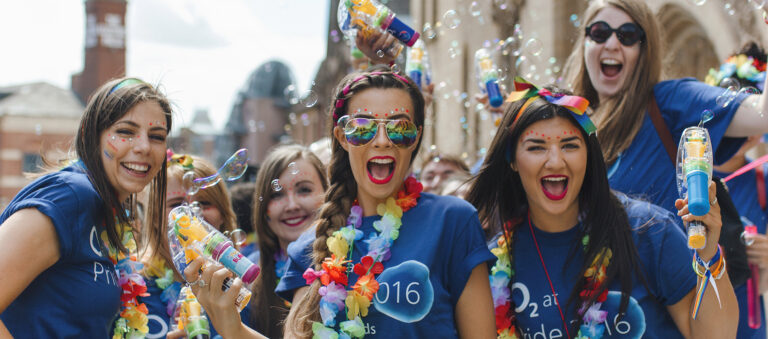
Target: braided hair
column 343, row 188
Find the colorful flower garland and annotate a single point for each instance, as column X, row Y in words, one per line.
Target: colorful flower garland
column 502, row 274
column 334, row 275
column 741, row 66
column 133, row 318
column 164, row 280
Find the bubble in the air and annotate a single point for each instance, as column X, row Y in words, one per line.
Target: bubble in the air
column 276, row 185
column 335, row 36
column 309, row 99
column 380, row 53
column 238, row 237
column 732, row 84
column 757, row 4
column 291, row 94
column 726, row 98
column 552, row 60
column 534, row 46
column 728, row 7
column 252, row 126
column 261, row 198
column 518, row 32
column 455, row 50
column 501, row 4
column 698, row 2
column 293, row 169
column 474, row 9
column 395, row 68
column 575, row 20
column 188, row 183
column 428, row 31
column 451, row 19
column 511, row 46
column 706, row 116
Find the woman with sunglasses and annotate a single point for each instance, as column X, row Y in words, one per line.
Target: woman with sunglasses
column 63, row 234
column 576, row 260
column 617, row 65
column 384, row 259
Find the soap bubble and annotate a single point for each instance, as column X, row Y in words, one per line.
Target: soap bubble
column 188, row 183
column 706, row 116
column 428, row 31
column 511, row 46
column 534, row 46
column 309, row 99
column 451, row 19
column 276, row 185
column 698, row 2
column 474, row 9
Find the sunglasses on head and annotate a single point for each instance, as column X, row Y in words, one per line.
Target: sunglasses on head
column 360, row 131
column 628, row 33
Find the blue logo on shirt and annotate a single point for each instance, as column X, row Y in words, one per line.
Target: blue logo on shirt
column 405, row 292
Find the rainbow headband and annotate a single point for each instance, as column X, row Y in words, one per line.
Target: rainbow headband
column 576, row 104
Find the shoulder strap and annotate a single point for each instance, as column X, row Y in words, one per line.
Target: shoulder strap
column 760, row 178
column 662, row 130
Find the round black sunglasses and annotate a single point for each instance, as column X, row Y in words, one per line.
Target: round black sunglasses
column 628, row 33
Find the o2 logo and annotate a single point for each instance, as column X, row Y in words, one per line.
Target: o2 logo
column 405, row 292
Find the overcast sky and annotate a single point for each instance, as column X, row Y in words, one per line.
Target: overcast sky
column 201, row 51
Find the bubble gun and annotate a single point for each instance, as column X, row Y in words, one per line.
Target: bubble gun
column 190, row 236
column 694, row 172
column 190, row 316
column 417, row 64
column 367, row 15
column 488, row 75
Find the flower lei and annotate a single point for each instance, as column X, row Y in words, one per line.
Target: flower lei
column 133, row 318
column 502, row 273
column 165, row 281
column 741, row 66
column 334, row 274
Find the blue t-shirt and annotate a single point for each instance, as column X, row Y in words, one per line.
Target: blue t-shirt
column 644, row 169
column 77, row 297
column 159, row 316
column 663, row 254
column 440, row 243
column 743, row 190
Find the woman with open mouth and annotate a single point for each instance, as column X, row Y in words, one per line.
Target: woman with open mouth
column 616, row 64
column 576, row 260
column 67, row 251
column 383, row 259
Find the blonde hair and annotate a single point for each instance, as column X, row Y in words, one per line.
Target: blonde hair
column 620, row 118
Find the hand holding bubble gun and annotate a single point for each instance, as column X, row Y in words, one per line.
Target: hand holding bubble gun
column 367, row 15
column 694, row 172
column 488, row 76
column 190, row 316
column 190, row 236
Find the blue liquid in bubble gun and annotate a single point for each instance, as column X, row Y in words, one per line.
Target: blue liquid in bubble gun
column 488, row 74
column 417, row 65
column 368, row 16
column 694, row 172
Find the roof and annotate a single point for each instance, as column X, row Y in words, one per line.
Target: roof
column 39, row 99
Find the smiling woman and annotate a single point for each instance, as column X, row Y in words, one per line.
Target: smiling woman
column 62, row 235
column 598, row 262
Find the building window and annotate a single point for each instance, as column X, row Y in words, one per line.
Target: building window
column 31, row 163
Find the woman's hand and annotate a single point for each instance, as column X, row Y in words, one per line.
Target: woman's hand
column 380, row 47
column 218, row 304
column 712, row 221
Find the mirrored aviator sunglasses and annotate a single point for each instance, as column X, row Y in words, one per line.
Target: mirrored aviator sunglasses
column 628, row 33
column 360, row 131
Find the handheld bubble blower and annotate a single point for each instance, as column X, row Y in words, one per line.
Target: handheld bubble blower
column 189, row 236
column 190, row 316
column 753, row 283
column 417, row 64
column 368, row 15
column 488, row 75
column 694, row 172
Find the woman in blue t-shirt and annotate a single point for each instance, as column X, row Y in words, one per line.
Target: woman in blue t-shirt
column 616, row 64
column 62, row 234
column 383, row 259
column 575, row 259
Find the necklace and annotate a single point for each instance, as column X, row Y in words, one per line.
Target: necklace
column 502, row 274
column 133, row 317
column 335, row 273
column 163, row 277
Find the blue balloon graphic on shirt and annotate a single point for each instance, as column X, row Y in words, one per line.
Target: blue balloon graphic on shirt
column 405, row 292
column 632, row 325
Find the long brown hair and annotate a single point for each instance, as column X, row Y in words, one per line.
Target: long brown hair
column 157, row 241
column 343, row 188
column 619, row 119
column 267, row 309
column 108, row 104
